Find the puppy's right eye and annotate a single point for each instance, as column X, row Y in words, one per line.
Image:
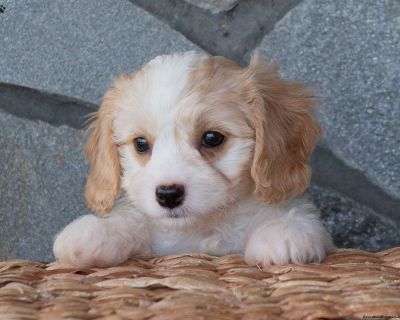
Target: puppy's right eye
column 141, row 144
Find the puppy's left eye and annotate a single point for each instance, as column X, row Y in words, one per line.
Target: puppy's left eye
column 212, row 139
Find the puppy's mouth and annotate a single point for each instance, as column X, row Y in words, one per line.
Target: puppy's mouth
column 174, row 214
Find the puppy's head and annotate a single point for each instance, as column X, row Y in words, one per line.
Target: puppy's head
column 190, row 135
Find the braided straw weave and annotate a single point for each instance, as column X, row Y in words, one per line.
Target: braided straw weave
column 349, row 284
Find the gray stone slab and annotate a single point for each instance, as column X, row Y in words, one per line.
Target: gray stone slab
column 230, row 34
column 331, row 173
column 350, row 51
column 41, row 185
column 76, row 47
column 353, row 225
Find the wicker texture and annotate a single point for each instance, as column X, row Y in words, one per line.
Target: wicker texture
column 349, row 284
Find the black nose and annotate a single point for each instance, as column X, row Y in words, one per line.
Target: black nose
column 170, row 196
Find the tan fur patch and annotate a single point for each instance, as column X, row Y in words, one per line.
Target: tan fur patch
column 103, row 182
column 212, row 101
column 278, row 112
column 286, row 133
column 214, row 88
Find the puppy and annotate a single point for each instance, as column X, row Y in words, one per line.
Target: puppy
column 212, row 158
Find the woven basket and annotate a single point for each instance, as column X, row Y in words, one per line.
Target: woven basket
column 349, row 284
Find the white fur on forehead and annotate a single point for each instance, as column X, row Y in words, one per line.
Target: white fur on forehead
column 155, row 92
column 167, row 76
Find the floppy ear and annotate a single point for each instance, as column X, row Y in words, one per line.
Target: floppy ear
column 103, row 183
column 285, row 132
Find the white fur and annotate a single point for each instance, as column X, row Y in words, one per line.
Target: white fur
column 219, row 215
column 265, row 234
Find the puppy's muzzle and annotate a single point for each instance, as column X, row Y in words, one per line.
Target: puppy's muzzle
column 170, row 196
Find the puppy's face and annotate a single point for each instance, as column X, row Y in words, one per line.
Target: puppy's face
column 189, row 136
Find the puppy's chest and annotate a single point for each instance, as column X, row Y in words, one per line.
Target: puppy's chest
column 213, row 242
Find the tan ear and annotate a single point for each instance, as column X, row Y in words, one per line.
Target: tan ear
column 285, row 131
column 103, row 183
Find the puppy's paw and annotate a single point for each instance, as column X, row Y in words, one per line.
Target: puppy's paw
column 90, row 242
column 302, row 240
